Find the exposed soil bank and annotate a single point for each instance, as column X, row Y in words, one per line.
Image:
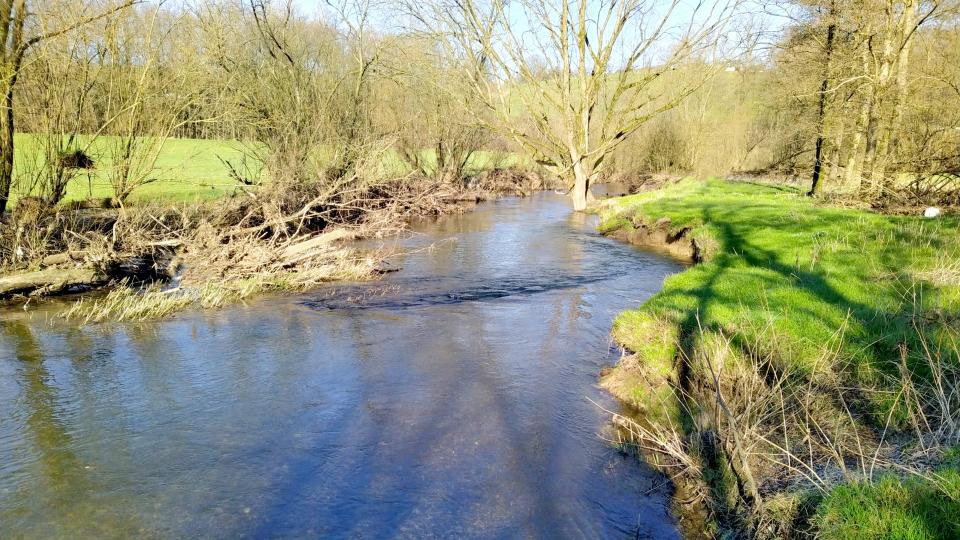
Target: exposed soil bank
column 631, row 373
column 787, row 370
column 660, row 238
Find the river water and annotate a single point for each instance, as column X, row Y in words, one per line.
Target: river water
column 451, row 399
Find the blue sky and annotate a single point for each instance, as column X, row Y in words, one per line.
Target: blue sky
column 769, row 16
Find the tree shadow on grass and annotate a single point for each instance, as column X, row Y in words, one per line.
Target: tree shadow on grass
column 872, row 330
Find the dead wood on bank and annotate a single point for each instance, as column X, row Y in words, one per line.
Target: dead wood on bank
column 51, row 280
column 290, row 234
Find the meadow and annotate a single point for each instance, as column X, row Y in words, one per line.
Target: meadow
column 189, row 170
column 186, row 170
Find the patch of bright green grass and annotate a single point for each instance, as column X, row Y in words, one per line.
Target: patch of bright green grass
column 189, row 170
column 819, row 278
column 893, row 508
column 186, row 170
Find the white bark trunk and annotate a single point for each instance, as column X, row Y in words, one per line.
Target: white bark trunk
column 581, row 188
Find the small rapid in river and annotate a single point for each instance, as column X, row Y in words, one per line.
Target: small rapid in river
column 450, row 399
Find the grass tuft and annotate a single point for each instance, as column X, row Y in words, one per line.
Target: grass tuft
column 126, row 303
column 893, row 508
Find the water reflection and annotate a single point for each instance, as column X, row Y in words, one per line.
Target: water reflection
column 346, row 412
column 58, row 463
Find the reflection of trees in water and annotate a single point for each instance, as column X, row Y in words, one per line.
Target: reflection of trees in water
column 55, row 501
column 380, row 354
column 52, row 440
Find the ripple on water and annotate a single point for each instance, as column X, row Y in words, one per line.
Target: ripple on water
column 450, row 399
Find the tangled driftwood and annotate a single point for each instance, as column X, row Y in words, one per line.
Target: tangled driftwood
column 288, row 231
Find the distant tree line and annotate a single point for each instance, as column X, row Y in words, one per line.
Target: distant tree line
column 862, row 94
column 858, row 95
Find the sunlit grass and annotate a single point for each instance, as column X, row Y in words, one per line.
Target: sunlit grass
column 193, row 170
column 186, row 169
column 893, row 508
column 841, row 298
column 774, row 254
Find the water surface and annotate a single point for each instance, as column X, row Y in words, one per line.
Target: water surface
column 450, row 399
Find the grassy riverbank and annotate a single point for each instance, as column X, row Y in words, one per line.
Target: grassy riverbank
column 812, row 347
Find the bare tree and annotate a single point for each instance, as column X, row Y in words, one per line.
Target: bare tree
column 423, row 101
column 55, row 93
column 299, row 87
column 22, row 27
column 828, row 50
column 146, row 95
column 570, row 80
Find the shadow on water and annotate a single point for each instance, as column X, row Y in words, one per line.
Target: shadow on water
column 449, row 399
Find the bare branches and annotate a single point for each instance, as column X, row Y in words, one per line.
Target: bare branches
column 569, row 81
column 757, row 421
column 69, row 27
column 14, row 45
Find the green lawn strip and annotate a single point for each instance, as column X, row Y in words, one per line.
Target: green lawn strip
column 893, row 508
column 776, row 260
column 189, row 170
column 186, row 170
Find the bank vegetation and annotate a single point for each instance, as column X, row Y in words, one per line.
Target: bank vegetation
column 804, row 367
column 803, row 377
column 335, row 130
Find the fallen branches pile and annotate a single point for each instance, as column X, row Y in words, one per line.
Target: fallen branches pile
column 279, row 237
column 508, row 181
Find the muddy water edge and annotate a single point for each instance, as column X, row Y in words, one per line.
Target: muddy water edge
column 451, row 398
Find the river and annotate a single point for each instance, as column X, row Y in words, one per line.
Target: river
column 450, row 399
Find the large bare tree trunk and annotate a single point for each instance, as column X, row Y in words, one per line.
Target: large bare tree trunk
column 581, row 188
column 878, row 130
column 6, row 141
column 886, row 122
column 6, row 149
column 868, row 187
column 906, row 30
column 821, row 111
column 841, row 132
column 583, row 178
column 855, row 160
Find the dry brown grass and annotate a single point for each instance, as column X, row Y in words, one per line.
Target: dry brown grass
column 128, row 303
column 756, row 434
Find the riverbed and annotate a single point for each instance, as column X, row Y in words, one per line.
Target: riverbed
column 453, row 398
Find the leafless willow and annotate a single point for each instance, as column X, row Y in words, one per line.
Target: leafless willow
column 570, row 81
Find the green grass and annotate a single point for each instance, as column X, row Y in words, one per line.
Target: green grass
column 893, row 509
column 839, row 296
column 187, row 170
column 815, row 275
